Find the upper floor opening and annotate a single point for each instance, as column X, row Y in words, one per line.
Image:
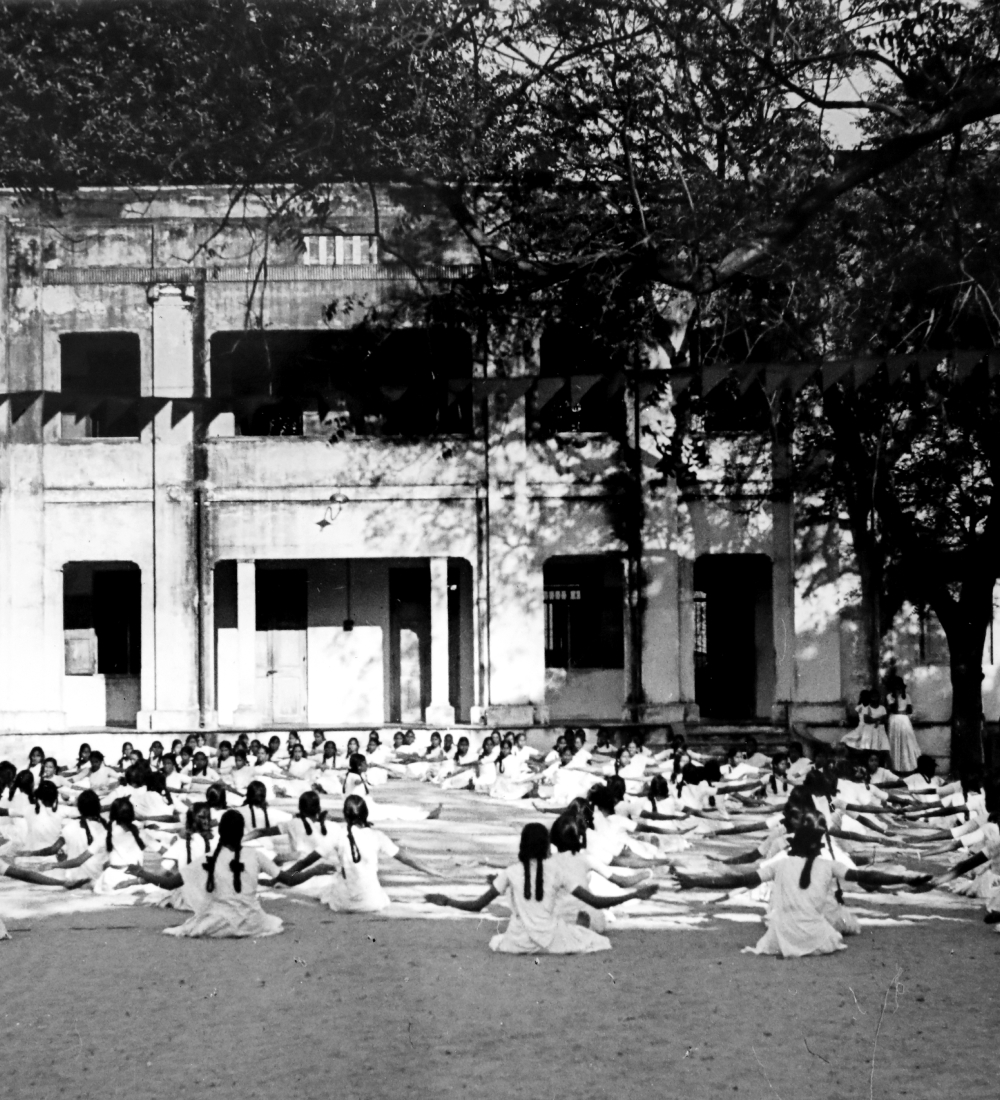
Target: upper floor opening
column 101, row 371
column 337, row 384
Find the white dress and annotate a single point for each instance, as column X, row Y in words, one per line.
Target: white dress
column 356, row 888
column 869, row 735
column 797, row 921
column 225, row 913
column 903, row 747
column 535, row 927
column 182, row 851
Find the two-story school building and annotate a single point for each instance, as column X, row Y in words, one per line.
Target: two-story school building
column 223, row 503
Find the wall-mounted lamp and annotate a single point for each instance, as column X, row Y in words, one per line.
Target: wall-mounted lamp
column 337, row 501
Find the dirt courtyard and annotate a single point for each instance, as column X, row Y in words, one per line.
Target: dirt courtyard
column 97, row 1004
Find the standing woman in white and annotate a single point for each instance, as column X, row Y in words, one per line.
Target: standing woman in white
column 903, row 747
column 356, row 888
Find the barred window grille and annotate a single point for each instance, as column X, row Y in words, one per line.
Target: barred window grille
column 558, row 603
column 341, row 250
column 700, row 629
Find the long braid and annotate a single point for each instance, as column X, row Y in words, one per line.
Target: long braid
column 527, row 878
column 305, row 824
column 253, row 817
column 322, row 822
column 210, row 867
column 236, row 867
column 355, row 850
column 267, row 821
column 806, row 877
column 135, row 835
column 187, row 842
column 540, row 881
column 838, row 893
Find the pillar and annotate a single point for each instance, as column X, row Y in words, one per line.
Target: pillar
column 783, row 572
column 246, row 630
column 439, row 711
column 175, row 571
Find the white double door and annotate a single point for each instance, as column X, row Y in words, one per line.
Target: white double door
column 281, row 681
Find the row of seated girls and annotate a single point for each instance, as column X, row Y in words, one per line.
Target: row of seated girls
column 197, row 828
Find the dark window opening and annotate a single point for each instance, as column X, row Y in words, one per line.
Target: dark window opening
column 339, row 384
column 102, row 611
column 584, row 613
column 282, row 598
column 100, row 374
column 566, row 351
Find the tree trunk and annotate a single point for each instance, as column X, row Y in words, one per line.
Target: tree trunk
column 966, row 649
column 871, row 570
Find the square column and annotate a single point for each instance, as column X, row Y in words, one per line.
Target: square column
column 439, row 711
column 246, row 630
column 174, row 655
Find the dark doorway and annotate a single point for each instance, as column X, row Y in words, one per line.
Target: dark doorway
column 102, row 619
column 281, row 594
column 733, row 644
column 409, row 643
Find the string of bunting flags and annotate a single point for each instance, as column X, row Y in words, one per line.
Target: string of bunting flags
column 771, row 376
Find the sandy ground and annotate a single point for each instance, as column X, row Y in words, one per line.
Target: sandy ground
column 96, row 1003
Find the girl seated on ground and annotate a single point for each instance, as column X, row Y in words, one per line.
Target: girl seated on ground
column 355, row 888
column 194, row 843
column 533, row 888
column 803, row 895
column 224, row 889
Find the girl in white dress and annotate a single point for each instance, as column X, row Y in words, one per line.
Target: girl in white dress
column 43, row 825
column 356, row 888
column 533, row 888
column 870, row 734
column 226, row 888
column 903, row 747
column 798, row 920
column 194, row 843
column 124, row 846
column 458, row 771
column 355, row 782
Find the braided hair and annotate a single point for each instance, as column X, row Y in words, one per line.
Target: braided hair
column 230, row 836
column 658, row 789
column 567, row 836
column 534, row 845
column 157, row 783
column 190, row 827
column 256, row 799
column 46, row 794
column 122, row 814
column 778, row 758
column 354, row 768
column 88, row 806
column 309, row 807
column 356, row 817
column 807, row 842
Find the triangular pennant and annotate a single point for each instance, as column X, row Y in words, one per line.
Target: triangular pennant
column 864, row 369
column 546, row 389
column 799, row 376
column 926, row 363
column 615, row 382
column 965, row 363
column 516, row 388
column 835, row 370
column 52, row 405
column 580, row 385
column 21, row 402
column 648, row 386
column 775, row 376
column 712, row 377
column 394, row 393
column 895, row 367
column 179, row 408
column 745, row 374
column 680, row 380
column 149, row 407
column 486, row 387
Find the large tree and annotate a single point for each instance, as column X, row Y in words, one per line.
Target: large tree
column 659, row 174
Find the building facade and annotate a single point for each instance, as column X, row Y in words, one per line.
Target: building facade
column 223, row 504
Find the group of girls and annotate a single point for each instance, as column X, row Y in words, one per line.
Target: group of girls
column 164, row 824
column 886, row 728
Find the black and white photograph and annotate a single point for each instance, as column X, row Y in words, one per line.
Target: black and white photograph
column 500, row 549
